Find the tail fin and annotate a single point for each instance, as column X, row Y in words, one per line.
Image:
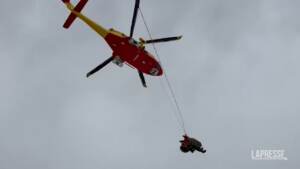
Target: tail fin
column 73, row 16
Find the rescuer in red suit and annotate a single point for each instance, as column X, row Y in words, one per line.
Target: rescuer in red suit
column 191, row 144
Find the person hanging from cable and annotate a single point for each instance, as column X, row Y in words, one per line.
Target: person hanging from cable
column 187, row 144
column 191, row 144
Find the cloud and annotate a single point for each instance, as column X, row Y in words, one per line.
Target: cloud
column 235, row 75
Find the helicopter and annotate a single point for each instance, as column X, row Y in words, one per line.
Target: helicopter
column 125, row 48
column 131, row 52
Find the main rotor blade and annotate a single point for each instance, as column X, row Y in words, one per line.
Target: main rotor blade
column 163, row 39
column 142, row 78
column 136, row 8
column 96, row 69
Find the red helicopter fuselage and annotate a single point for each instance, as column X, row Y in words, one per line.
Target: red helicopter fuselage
column 132, row 53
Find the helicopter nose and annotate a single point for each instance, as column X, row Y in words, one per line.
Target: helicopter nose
column 156, row 71
column 160, row 70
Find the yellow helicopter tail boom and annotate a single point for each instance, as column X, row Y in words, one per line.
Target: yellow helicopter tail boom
column 75, row 12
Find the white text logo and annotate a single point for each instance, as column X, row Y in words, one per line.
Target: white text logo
column 268, row 155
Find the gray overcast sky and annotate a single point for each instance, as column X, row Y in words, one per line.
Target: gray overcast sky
column 235, row 73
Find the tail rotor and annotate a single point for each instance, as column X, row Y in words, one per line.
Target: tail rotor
column 72, row 16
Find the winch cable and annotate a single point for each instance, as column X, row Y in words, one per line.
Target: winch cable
column 173, row 96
